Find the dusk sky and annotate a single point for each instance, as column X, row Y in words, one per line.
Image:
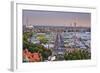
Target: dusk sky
column 34, row 17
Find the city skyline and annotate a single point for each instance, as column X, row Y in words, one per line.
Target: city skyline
column 52, row 18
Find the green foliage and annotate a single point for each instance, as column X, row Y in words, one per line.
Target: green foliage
column 77, row 55
column 42, row 39
column 26, row 36
column 45, row 53
column 41, row 49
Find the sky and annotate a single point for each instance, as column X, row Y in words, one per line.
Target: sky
column 52, row 18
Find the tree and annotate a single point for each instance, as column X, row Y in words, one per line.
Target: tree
column 42, row 39
column 45, row 53
column 77, row 55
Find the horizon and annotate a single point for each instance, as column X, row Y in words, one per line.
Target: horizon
column 56, row 26
column 56, row 18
